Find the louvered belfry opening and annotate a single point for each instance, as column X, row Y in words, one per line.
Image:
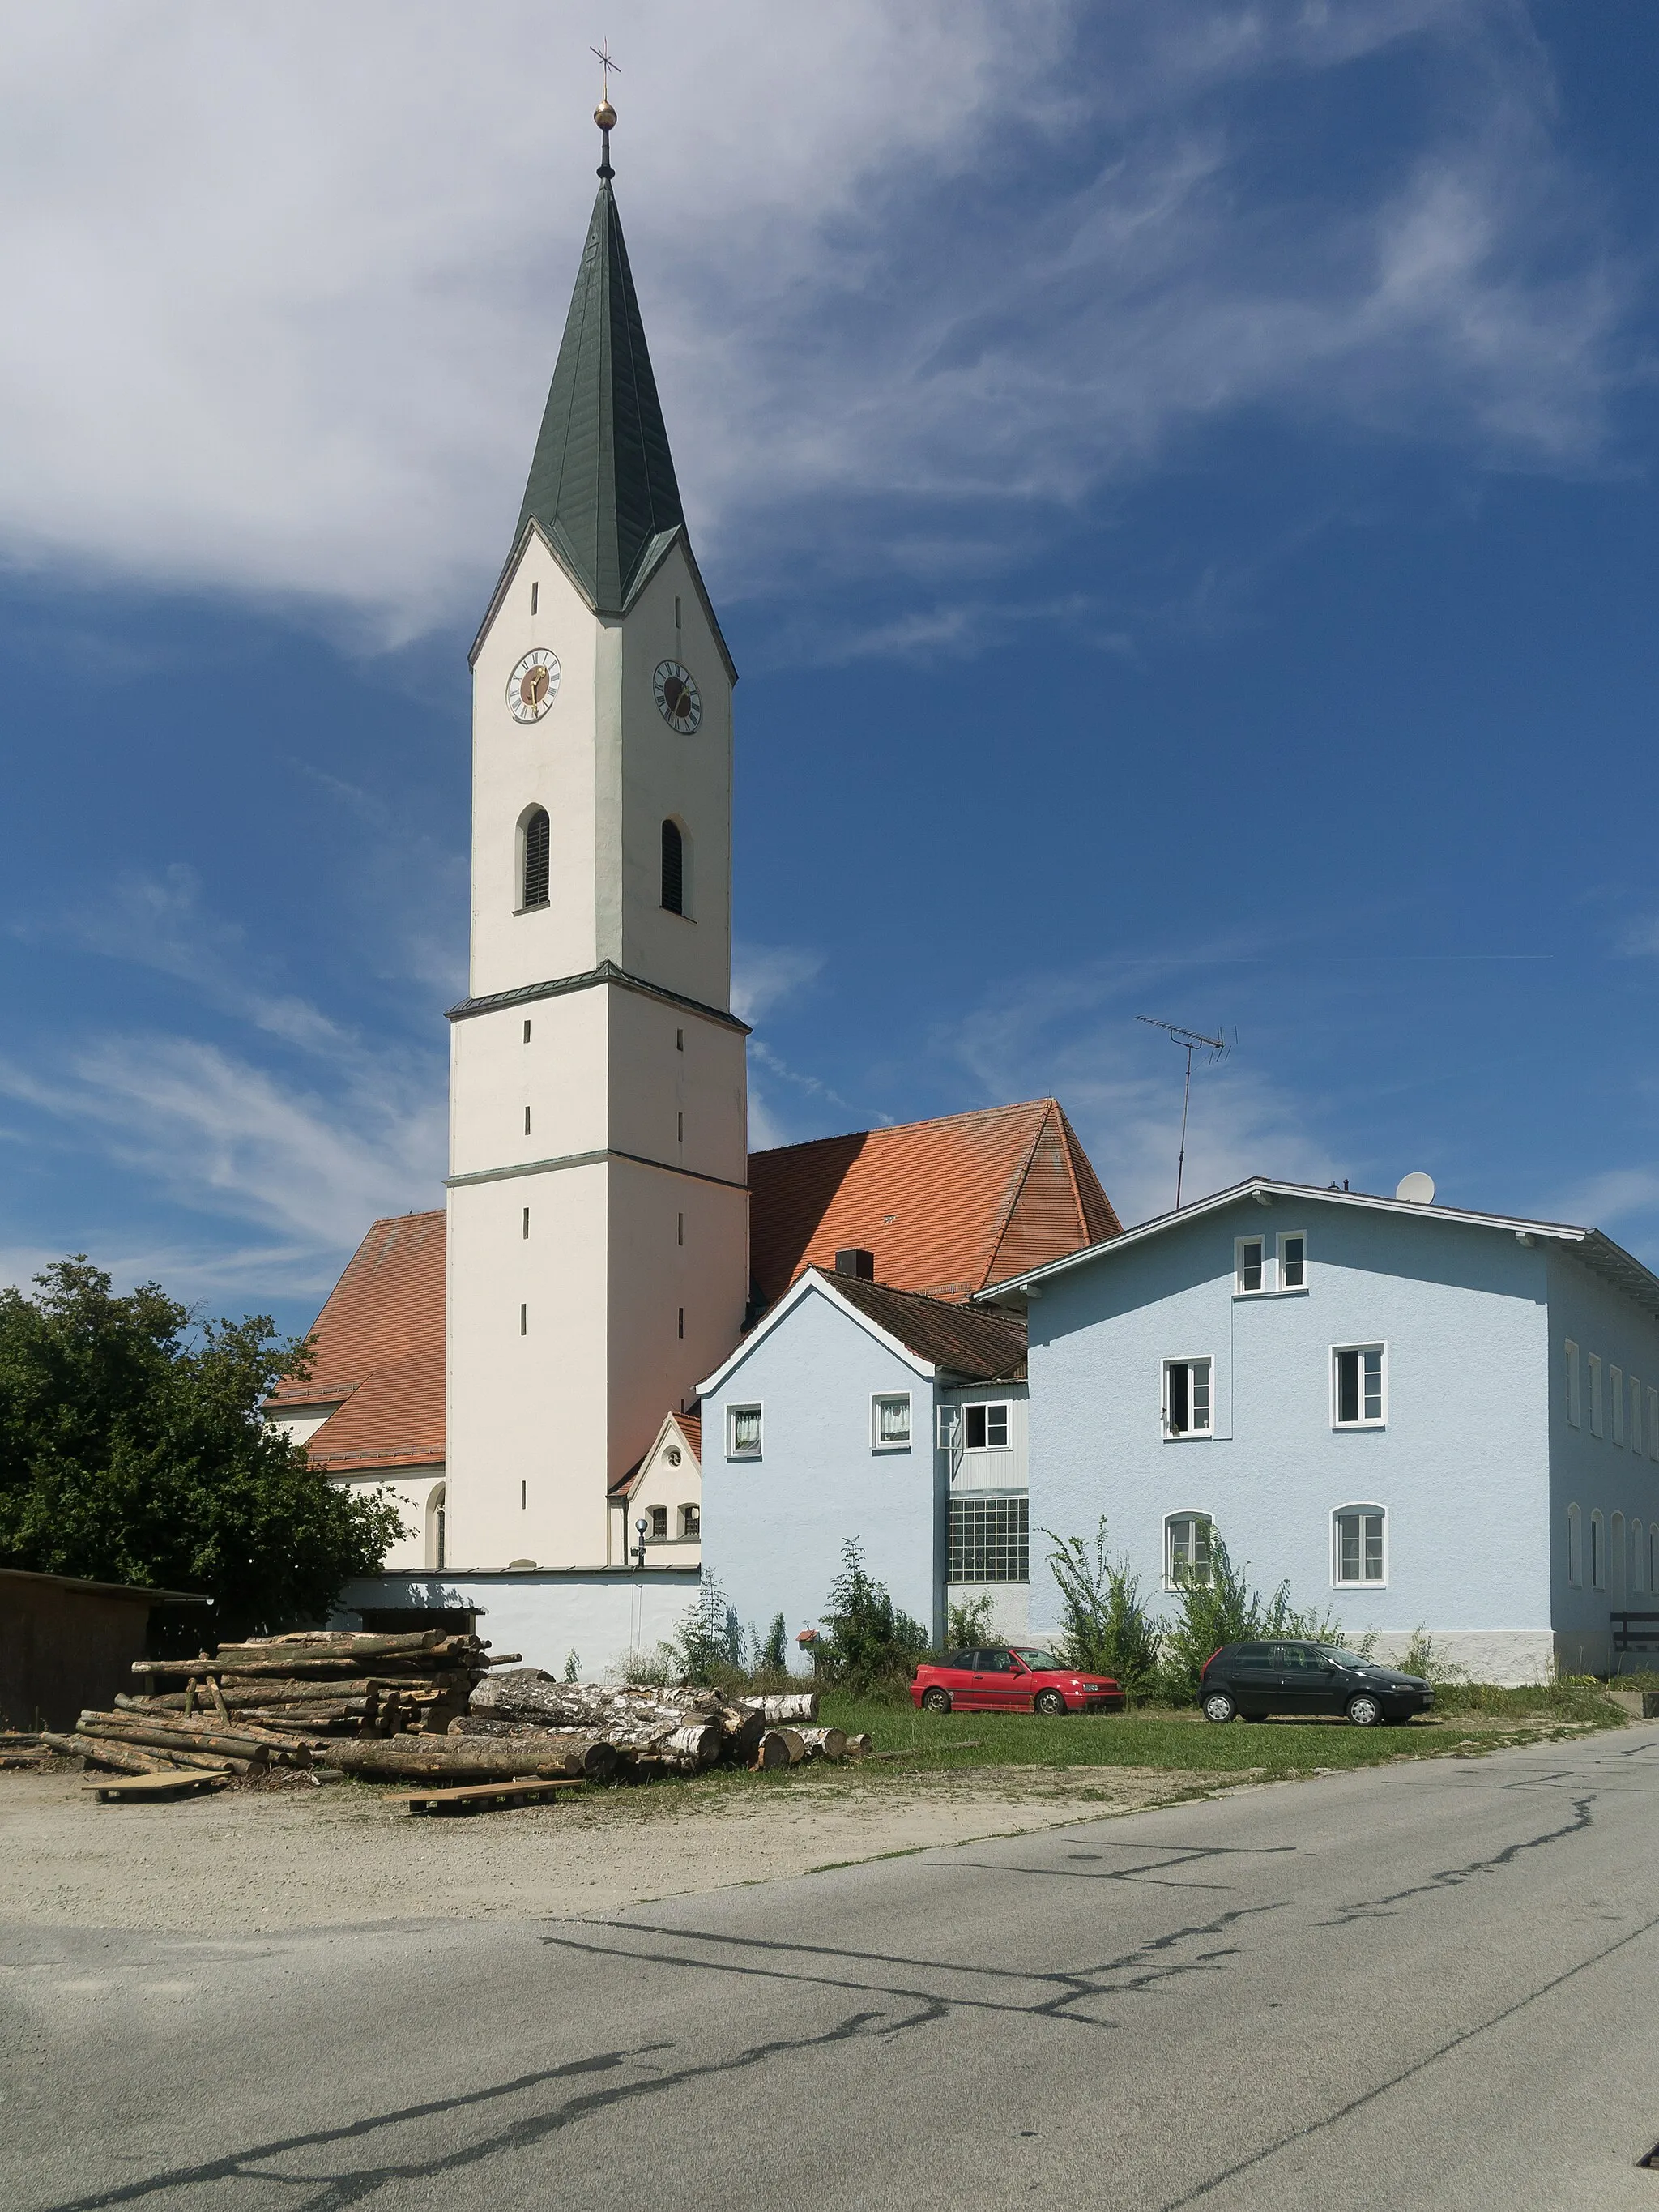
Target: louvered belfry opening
column 537, row 840
column 673, row 868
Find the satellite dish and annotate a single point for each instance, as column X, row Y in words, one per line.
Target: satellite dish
column 1416, row 1188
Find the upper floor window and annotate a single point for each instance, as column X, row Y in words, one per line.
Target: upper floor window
column 1616, row 1393
column 1257, row 1269
column 1595, row 1392
column 1357, row 1547
column 1574, row 1413
column 1292, row 1260
column 658, row 1524
column 690, row 1521
column 1356, row 1395
column 743, row 1431
column 1575, row 1546
column 535, row 839
column 1598, row 1550
column 890, row 1422
column 673, row 867
column 1250, row 1260
column 985, row 1428
column 1186, row 1397
column 1187, row 1545
column 1635, row 1413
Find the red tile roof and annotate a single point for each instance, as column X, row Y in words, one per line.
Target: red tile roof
column 379, row 1347
column 690, row 1427
column 946, row 1207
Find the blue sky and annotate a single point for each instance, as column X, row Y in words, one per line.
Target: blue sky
column 1179, row 492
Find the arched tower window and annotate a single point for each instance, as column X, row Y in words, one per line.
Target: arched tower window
column 673, row 867
column 1575, row 1546
column 436, row 1531
column 535, row 837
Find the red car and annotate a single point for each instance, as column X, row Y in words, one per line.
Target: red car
column 1011, row 1679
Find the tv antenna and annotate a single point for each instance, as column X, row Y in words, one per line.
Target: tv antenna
column 1190, row 1041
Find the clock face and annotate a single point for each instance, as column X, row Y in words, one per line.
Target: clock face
column 530, row 686
column 678, row 698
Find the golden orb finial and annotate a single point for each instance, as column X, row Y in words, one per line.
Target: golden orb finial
column 605, row 115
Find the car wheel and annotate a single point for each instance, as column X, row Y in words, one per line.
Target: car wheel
column 1219, row 1707
column 1364, row 1710
column 936, row 1700
column 1049, row 1701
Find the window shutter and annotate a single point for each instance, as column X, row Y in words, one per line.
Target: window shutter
column 536, row 842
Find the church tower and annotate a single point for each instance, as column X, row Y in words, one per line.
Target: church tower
column 598, row 1221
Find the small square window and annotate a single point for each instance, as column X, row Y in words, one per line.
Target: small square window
column 892, row 1424
column 1250, row 1262
column 690, row 1521
column 658, row 1524
column 1293, row 1263
column 988, row 1427
column 743, row 1433
column 1186, row 1398
column 1356, row 1387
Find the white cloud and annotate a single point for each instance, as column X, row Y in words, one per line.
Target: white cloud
column 765, row 976
column 284, row 285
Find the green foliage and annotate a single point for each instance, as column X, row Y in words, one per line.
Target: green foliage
column 1106, row 1627
column 573, row 1668
column 1420, row 1658
column 132, row 1452
column 708, row 1643
column 1214, row 1610
column 772, row 1657
column 870, row 1641
column 969, row 1626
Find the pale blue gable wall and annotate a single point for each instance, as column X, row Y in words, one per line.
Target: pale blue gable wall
column 1463, row 1467
column 772, row 1528
column 1596, row 1473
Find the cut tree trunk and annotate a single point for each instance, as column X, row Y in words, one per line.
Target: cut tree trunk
column 784, row 1705
column 776, row 1750
column 431, row 1759
column 125, row 1758
column 119, row 1728
column 823, row 1742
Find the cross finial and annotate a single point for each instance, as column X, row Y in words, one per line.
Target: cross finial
column 604, row 114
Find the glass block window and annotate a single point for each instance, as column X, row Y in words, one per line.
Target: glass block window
column 990, row 1539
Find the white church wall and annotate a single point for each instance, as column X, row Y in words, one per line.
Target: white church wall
column 655, row 1080
column 604, row 1617
column 558, row 1074
column 551, row 762
column 412, row 1491
column 527, row 1338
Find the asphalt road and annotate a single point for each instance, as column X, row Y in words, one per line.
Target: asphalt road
column 1431, row 1985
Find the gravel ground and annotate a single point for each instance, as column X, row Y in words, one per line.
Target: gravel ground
column 340, row 1855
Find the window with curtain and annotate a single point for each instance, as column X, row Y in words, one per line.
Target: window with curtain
column 673, row 868
column 892, row 1421
column 1356, row 1545
column 743, row 1431
column 538, row 838
column 1187, row 1542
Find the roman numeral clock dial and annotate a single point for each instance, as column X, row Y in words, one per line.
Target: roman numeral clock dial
column 678, row 700
column 532, row 686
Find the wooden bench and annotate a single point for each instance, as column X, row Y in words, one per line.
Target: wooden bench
column 142, row 1789
column 484, row 1796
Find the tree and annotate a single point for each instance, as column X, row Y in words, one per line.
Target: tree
column 134, row 1451
column 1106, row 1627
column 870, row 1641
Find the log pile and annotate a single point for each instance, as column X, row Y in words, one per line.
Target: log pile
column 324, row 1684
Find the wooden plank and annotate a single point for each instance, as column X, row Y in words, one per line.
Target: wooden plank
column 483, row 1796
column 145, row 1789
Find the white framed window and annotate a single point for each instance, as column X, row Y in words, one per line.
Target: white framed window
column 1575, row 1547
column 1249, row 1266
column 988, row 1427
column 1616, row 1393
column 1187, row 1541
column 1358, row 1377
column 691, row 1521
column 889, row 1421
column 949, row 1421
column 1260, row 1271
column 1292, row 1259
column 743, row 1433
column 990, row 1539
column 1360, row 1546
column 1635, row 1415
column 1595, row 1392
column 1574, row 1411
column 1187, row 1398
column 1598, row 1549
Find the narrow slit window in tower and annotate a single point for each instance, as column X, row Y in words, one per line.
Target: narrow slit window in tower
column 526, row 1224
column 682, row 1321
column 682, row 1121
column 527, row 1032
column 524, row 1498
column 535, row 593
column 677, row 610
column 681, row 1233
column 537, row 839
column 673, row 868
column 679, row 1040
column 524, row 1320
column 526, row 1121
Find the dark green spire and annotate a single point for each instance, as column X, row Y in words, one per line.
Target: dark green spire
column 602, row 482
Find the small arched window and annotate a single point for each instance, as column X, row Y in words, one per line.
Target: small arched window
column 1639, row 1559
column 1358, row 1549
column 1575, row 1546
column 1188, row 1539
column 535, row 839
column 673, row 868
column 1598, row 1562
column 436, row 1533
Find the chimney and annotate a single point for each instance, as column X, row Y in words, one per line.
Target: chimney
column 855, row 1260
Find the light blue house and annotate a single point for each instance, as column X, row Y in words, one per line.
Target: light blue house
column 1415, row 1414
column 856, row 1410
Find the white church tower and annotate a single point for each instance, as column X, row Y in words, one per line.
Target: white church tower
column 597, row 1223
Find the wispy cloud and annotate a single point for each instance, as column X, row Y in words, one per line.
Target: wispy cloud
column 339, row 315
column 764, row 976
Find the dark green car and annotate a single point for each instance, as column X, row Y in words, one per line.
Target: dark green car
column 1251, row 1680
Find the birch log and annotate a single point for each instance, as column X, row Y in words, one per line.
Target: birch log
column 823, row 1742
column 784, row 1705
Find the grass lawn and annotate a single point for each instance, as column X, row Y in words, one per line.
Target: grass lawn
column 1151, row 1737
